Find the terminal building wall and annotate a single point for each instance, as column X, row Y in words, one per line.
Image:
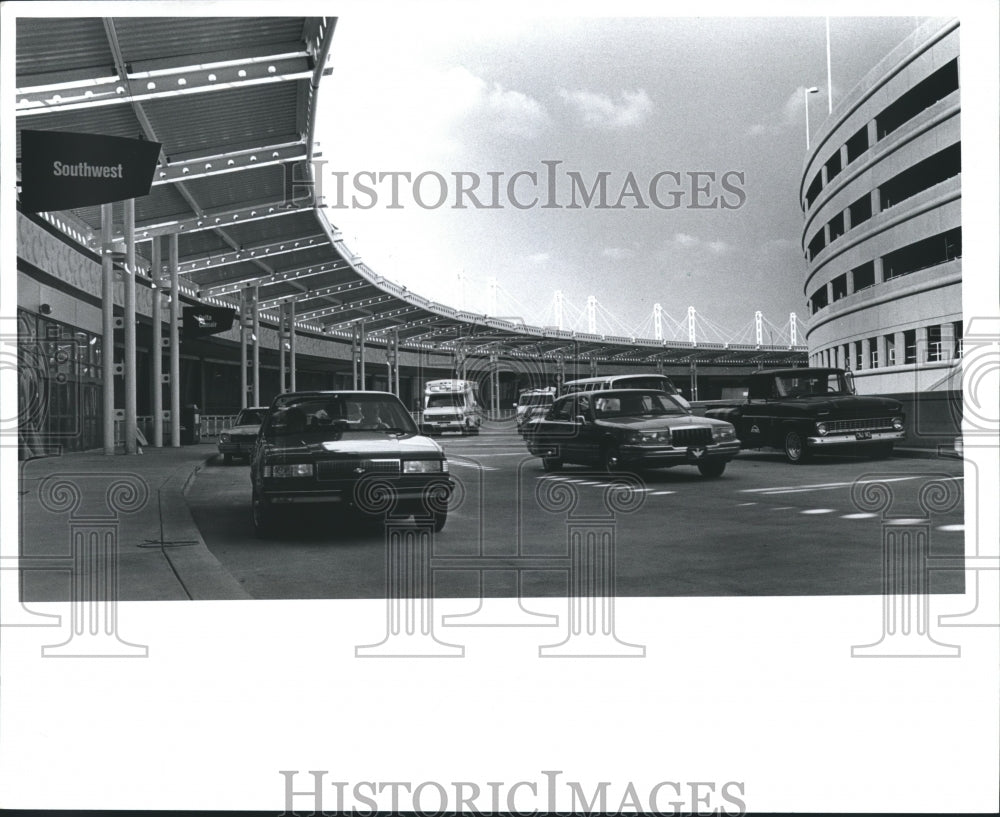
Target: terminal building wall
column 882, row 237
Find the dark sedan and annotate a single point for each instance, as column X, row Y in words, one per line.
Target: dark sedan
column 351, row 449
column 629, row 429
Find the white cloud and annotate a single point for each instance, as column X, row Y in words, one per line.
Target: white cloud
column 516, row 113
column 685, row 241
column 538, row 257
column 601, row 111
column 617, row 253
column 792, row 113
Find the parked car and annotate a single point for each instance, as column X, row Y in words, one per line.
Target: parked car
column 802, row 411
column 238, row 440
column 350, row 449
column 624, row 429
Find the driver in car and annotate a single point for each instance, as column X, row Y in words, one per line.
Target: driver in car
column 370, row 418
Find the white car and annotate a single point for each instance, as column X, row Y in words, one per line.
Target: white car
column 238, row 440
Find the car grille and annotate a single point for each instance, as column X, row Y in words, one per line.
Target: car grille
column 870, row 424
column 691, row 436
column 339, row 469
column 446, row 418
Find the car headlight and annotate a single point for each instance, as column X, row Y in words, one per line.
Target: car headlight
column 723, row 433
column 224, row 437
column 897, row 423
column 425, row 466
column 302, row 469
column 648, row 437
column 821, row 429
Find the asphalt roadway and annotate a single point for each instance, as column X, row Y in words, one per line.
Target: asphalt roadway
column 765, row 528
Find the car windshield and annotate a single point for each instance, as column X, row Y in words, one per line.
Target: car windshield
column 336, row 414
column 811, row 384
column 445, row 400
column 635, row 404
column 250, row 417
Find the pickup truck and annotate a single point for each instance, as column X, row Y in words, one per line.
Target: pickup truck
column 802, row 411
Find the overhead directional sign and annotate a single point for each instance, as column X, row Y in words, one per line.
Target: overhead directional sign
column 200, row 321
column 62, row 170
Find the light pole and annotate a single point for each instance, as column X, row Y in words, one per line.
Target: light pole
column 805, row 96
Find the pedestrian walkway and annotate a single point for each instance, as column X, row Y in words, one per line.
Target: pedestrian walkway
column 89, row 522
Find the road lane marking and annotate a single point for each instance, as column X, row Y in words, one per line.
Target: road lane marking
column 784, row 508
column 821, row 486
column 819, row 510
column 662, row 493
column 524, row 454
column 907, row 521
column 952, row 528
column 859, row 516
column 473, row 464
column 744, row 504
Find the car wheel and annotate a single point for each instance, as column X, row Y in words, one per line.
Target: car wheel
column 711, row 469
column 550, row 464
column 796, row 451
column 227, row 459
column 262, row 515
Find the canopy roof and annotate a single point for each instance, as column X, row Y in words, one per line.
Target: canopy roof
column 232, row 101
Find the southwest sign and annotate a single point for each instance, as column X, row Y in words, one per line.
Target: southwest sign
column 61, row 170
column 200, row 321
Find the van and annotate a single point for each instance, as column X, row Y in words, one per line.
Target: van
column 626, row 381
column 451, row 405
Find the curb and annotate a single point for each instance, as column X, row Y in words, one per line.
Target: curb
column 196, row 568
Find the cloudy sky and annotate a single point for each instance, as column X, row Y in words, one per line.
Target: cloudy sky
column 618, row 98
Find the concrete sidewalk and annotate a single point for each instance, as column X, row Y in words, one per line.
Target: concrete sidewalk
column 138, row 501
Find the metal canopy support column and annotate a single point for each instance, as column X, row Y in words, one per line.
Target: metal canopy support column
column 494, row 387
column 107, row 330
column 361, row 343
column 395, row 361
column 391, row 363
column 130, row 356
column 156, row 350
column 694, row 380
column 291, row 342
column 281, row 348
column 243, row 348
column 175, row 345
column 355, row 355
column 256, row 346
